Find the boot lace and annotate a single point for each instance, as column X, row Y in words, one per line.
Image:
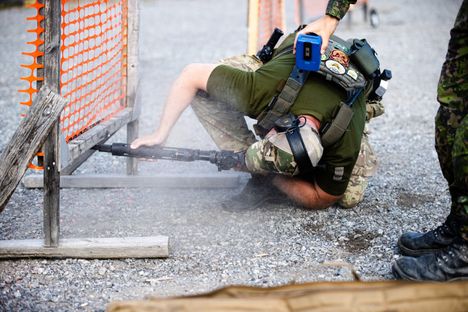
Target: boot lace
column 453, row 252
column 441, row 231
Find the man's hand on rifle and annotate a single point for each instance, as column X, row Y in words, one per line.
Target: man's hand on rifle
column 148, row 140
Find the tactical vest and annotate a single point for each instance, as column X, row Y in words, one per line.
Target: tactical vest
column 335, row 66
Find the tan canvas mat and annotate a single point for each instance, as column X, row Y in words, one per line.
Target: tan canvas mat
column 384, row 296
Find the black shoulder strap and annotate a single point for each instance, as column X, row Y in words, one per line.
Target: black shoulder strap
column 281, row 104
column 335, row 130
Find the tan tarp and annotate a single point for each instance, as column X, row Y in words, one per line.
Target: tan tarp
column 385, row 296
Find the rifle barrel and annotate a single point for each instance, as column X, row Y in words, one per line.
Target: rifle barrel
column 223, row 159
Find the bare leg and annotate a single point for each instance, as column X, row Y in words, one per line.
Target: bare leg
column 224, row 122
column 194, row 77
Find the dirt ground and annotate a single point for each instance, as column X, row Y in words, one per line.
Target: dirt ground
column 211, row 247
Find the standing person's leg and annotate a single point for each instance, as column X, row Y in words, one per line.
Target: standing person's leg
column 452, row 149
column 459, row 187
column 445, row 250
column 449, row 242
column 452, row 94
column 451, row 124
column 447, row 122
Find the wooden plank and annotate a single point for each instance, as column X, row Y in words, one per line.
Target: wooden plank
column 194, row 181
column 51, row 203
column 98, row 134
column 88, row 248
column 132, row 78
column 27, row 140
column 133, row 56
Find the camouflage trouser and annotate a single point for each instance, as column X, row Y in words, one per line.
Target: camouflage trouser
column 451, row 121
column 225, row 124
column 365, row 167
column 229, row 130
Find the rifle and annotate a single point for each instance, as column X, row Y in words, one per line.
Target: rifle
column 266, row 53
column 224, row 160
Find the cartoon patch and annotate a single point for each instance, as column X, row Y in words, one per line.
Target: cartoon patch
column 340, row 57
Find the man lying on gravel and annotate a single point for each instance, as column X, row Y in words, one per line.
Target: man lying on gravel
column 222, row 94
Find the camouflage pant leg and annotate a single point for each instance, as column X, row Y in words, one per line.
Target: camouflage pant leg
column 452, row 90
column 264, row 157
column 274, row 153
column 460, row 167
column 451, row 121
column 224, row 123
column 364, row 168
column 452, row 150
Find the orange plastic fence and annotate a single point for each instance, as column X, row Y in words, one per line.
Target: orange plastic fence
column 270, row 15
column 34, row 77
column 92, row 61
column 35, row 54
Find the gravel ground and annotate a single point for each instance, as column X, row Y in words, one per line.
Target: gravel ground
column 211, row 247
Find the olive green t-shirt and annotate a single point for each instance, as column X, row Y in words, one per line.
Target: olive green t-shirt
column 250, row 93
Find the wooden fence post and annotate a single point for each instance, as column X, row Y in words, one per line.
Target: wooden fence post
column 133, row 30
column 51, row 145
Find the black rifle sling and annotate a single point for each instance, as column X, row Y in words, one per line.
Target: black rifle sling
column 299, row 150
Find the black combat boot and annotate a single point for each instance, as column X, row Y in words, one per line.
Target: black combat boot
column 417, row 244
column 449, row 264
column 258, row 190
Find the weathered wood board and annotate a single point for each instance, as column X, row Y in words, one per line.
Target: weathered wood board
column 27, row 139
column 88, row 248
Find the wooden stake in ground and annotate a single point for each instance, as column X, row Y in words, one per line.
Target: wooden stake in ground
column 27, row 140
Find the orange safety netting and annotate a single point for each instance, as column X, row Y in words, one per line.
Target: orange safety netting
column 92, row 63
column 270, row 15
column 35, row 54
column 34, row 76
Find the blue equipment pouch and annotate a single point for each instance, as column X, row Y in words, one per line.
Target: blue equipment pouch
column 308, row 52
